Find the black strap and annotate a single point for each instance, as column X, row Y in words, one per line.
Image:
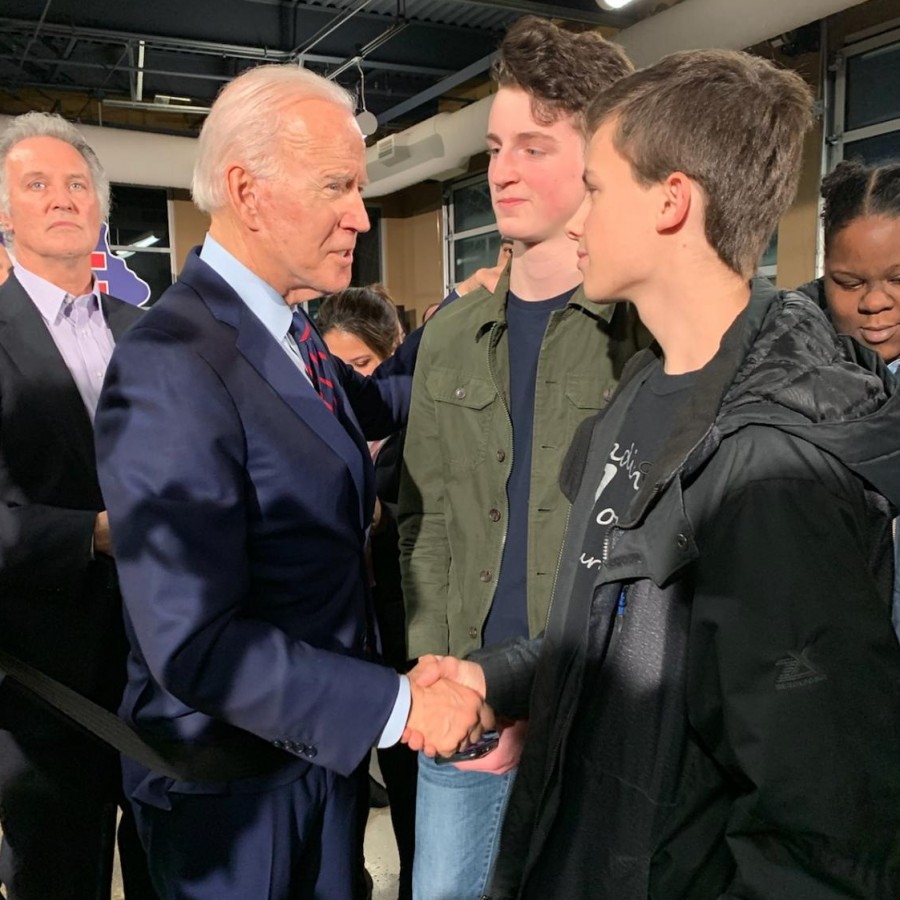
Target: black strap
column 243, row 756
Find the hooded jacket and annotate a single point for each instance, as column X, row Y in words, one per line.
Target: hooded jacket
column 721, row 717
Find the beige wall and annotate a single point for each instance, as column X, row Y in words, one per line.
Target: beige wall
column 189, row 225
column 798, row 229
column 412, row 236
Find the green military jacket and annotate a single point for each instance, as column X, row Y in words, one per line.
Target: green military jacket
column 459, row 455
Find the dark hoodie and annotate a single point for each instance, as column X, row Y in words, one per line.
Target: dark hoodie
column 732, row 731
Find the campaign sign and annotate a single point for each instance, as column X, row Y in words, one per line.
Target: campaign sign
column 113, row 275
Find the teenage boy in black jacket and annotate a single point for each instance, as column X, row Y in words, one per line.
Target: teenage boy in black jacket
column 713, row 707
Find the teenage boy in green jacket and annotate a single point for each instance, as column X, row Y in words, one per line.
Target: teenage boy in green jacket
column 501, row 384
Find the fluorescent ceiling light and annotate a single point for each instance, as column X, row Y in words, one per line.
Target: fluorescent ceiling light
column 612, row 4
column 147, row 241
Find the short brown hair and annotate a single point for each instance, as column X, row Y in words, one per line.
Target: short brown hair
column 562, row 71
column 732, row 122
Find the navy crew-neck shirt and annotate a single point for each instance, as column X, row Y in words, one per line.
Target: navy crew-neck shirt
column 526, row 326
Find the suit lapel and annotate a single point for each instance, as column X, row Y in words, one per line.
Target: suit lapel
column 262, row 352
column 32, row 351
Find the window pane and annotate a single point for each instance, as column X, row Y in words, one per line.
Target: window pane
column 875, row 150
column 473, row 253
column 139, row 215
column 472, row 207
column 154, row 268
column 873, row 87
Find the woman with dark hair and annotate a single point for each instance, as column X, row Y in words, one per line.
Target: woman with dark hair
column 361, row 327
column 861, row 286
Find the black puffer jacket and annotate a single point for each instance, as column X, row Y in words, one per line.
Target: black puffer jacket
column 736, row 733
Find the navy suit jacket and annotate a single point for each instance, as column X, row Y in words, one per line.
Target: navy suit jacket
column 238, row 505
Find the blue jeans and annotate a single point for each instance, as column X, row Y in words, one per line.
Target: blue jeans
column 458, row 821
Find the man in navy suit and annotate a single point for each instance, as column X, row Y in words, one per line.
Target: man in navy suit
column 60, row 608
column 233, row 461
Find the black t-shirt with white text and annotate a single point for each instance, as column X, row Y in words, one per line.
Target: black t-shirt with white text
column 648, row 423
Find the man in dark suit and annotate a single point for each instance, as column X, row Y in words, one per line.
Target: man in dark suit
column 60, row 608
column 232, row 457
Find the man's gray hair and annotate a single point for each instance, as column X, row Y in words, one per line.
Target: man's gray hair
column 41, row 124
column 245, row 124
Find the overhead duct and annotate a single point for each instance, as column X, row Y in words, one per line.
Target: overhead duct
column 439, row 148
column 726, row 24
column 138, row 157
column 691, row 25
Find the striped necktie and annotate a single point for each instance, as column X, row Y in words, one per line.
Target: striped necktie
column 313, row 358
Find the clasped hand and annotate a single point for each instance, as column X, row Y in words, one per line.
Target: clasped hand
column 448, row 711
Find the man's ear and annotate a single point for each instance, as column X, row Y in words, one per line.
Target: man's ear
column 243, row 194
column 677, row 196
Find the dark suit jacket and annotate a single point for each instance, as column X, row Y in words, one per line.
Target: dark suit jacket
column 59, row 609
column 239, row 506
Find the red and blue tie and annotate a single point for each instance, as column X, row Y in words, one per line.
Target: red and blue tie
column 313, row 358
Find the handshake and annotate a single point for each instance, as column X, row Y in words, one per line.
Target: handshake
column 447, row 712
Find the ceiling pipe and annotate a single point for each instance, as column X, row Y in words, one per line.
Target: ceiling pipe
column 136, row 157
column 726, row 24
column 691, row 25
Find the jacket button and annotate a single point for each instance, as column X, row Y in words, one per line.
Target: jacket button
column 494, row 515
column 310, row 752
column 501, row 455
column 278, row 745
column 682, row 542
column 473, row 632
column 485, row 575
column 460, row 393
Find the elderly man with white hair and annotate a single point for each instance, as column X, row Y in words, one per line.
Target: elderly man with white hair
column 60, row 608
column 233, row 459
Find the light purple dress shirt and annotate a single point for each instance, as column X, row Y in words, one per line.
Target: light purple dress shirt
column 78, row 329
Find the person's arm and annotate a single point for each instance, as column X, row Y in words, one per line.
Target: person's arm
column 424, row 545
column 172, row 460
column 502, row 672
column 43, row 547
column 794, row 686
column 380, row 401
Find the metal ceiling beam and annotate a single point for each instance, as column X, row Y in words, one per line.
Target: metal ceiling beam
column 331, row 27
column 437, row 90
column 117, row 67
column 371, row 47
column 209, row 48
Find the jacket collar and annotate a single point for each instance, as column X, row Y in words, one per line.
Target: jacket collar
column 691, row 433
column 493, row 305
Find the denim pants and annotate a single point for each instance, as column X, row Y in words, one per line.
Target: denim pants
column 458, row 821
